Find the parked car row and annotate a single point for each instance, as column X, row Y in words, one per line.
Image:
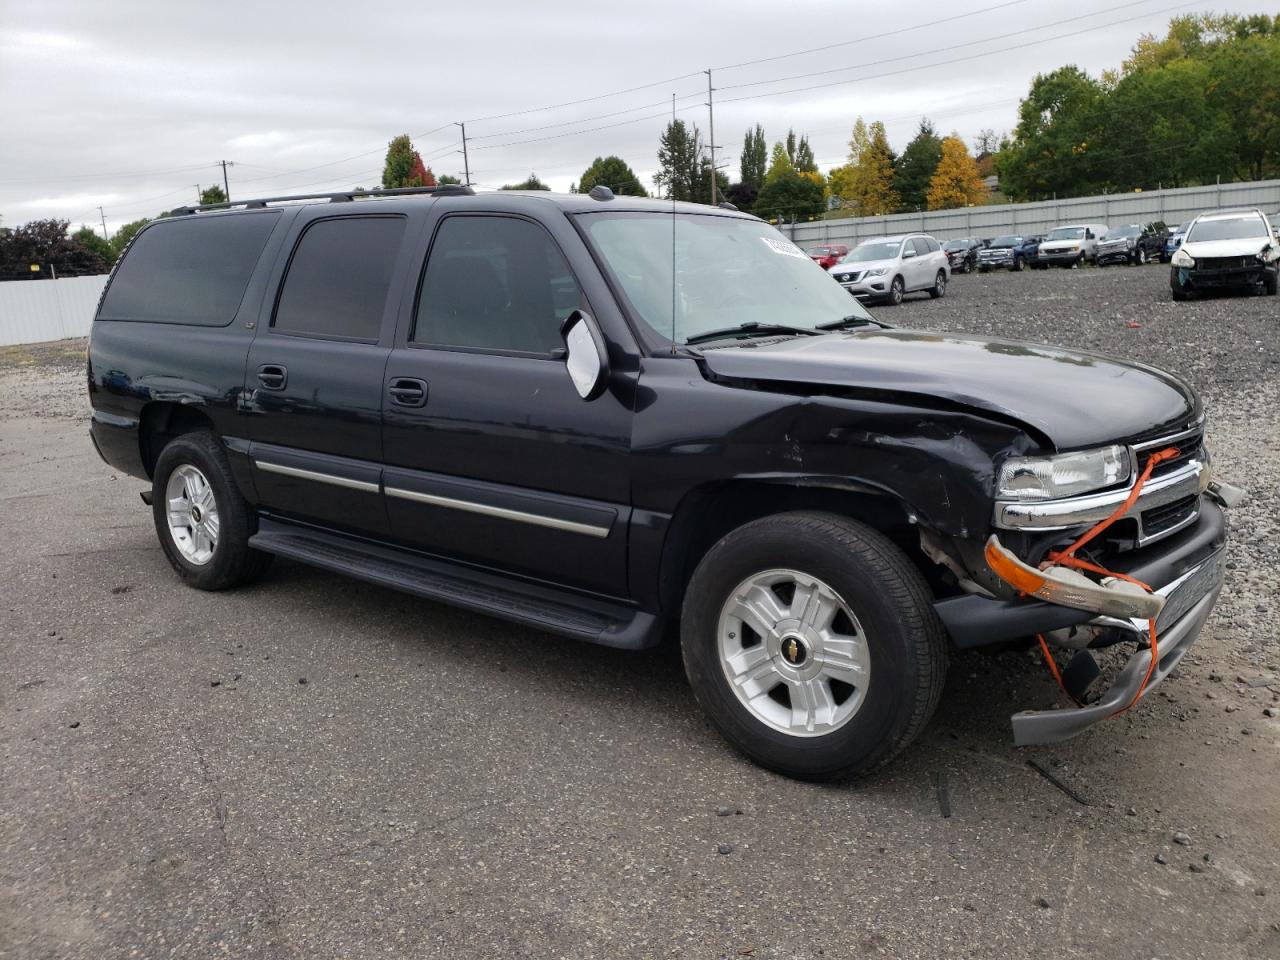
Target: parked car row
column 1227, row 253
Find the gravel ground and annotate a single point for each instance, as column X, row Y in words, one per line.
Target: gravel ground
column 445, row 785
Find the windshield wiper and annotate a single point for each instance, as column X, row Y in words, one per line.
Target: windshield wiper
column 750, row 329
column 853, row 320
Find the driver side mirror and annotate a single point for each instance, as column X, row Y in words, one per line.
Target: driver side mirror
column 586, row 357
column 908, row 253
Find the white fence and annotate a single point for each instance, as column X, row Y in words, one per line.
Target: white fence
column 33, row 311
column 1117, row 209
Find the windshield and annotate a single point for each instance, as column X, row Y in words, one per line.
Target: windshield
column 1237, row 228
column 958, row 244
column 1066, row 233
column 1124, row 233
column 728, row 272
column 1006, row 241
column 1179, row 228
column 873, row 250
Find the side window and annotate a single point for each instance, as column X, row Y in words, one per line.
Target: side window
column 495, row 283
column 189, row 270
column 1088, row 235
column 921, row 247
column 933, row 244
column 338, row 279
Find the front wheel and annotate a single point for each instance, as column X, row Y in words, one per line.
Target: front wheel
column 896, row 291
column 1140, row 258
column 203, row 522
column 811, row 642
column 1017, row 264
column 939, row 288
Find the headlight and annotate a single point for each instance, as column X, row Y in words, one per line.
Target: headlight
column 1064, row 475
column 877, row 272
column 1183, row 259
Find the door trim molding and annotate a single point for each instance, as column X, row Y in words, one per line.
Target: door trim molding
column 505, row 513
column 315, row 475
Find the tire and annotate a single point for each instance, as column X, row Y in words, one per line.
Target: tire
column 1017, row 264
column 193, row 468
column 939, row 288
column 984, row 269
column 1140, row 258
column 877, row 607
column 1270, row 284
column 897, row 290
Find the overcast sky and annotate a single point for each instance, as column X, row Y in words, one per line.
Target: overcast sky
column 129, row 104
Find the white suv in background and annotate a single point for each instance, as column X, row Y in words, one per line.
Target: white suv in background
column 1226, row 248
column 1072, row 244
column 885, row 269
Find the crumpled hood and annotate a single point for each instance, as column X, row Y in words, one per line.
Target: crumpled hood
column 1077, row 400
column 1227, row 248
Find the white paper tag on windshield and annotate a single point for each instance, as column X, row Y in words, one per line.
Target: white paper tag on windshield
column 784, row 247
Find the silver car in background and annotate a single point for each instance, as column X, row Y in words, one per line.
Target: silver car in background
column 886, row 269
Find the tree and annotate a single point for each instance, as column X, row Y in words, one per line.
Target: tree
column 398, row 171
column 791, row 194
column 865, row 184
column 94, row 242
column 126, row 233
column 791, row 146
column 45, row 242
column 1055, row 147
column 956, row 182
column 448, row 178
column 214, row 194
column 804, row 161
column 420, row 175
column 755, row 158
column 613, row 173
column 679, row 160
column 779, row 164
column 533, row 183
column 915, row 168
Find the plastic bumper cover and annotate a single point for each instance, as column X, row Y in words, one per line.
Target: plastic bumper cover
column 1189, row 600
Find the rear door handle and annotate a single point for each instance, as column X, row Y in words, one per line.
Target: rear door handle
column 407, row 391
column 273, row 376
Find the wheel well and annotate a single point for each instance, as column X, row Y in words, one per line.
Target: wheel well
column 161, row 421
column 708, row 514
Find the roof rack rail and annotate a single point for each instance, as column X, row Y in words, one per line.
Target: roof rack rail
column 341, row 196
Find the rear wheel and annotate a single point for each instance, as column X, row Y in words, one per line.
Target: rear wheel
column 203, row 522
column 811, row 642
column 939, row 288
column 896, row 291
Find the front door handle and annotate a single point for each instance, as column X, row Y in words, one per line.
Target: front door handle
column 273, row 376
column 407, row 391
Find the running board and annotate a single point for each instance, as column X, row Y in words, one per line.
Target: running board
column 534, row 605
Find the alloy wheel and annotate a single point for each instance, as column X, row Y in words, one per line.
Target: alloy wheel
column 793, row 653
column 192, row 513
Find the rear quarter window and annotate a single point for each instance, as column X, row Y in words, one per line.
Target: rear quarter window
column 191, row 271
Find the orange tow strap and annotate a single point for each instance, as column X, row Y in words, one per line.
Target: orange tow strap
column 1067, row 558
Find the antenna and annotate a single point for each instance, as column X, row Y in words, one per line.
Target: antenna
column 671, row 189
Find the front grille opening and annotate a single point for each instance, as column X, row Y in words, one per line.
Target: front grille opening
column 1191, row 448
column 1159, row 519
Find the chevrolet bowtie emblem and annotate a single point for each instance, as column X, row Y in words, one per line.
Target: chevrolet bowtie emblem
column 791, row 649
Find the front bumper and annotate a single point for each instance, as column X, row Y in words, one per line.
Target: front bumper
column 1004, row 261
column 1114, row 255
column 1195, row 278
column 1059, row 256
column 867, row 288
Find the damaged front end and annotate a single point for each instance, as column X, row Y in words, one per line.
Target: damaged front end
column 1147, row 573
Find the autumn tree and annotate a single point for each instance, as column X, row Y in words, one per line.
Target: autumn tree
column 45, row 242
column 779, row 163
column 420, row 174
column 865, row 184
column 956, row 182
column 614, row 173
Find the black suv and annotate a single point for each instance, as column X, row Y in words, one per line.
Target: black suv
column 1134, row 243
column 599, row 416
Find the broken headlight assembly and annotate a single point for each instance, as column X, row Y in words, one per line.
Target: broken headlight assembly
column 1183, row 259
column 1062, row 475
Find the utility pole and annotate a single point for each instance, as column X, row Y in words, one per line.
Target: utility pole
column 199, row 196
column 226, row 187
column 105, row 235
column 711, row 132
column 466, row 164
